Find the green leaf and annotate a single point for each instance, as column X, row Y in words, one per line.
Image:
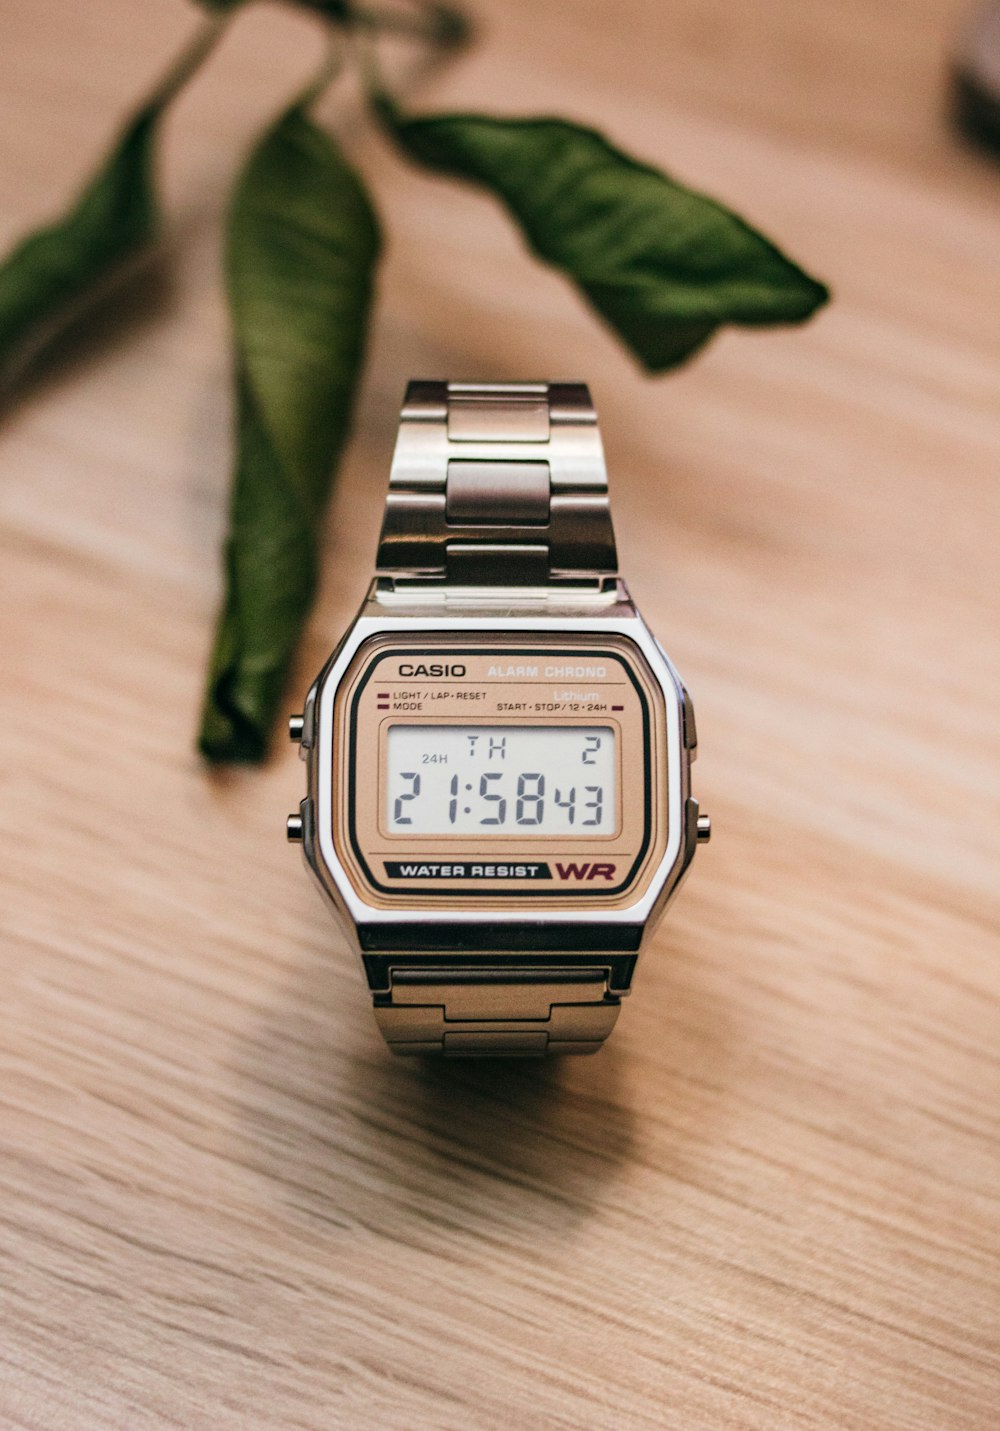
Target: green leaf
column 49, row 276
column 664, row 266
column 302, row 244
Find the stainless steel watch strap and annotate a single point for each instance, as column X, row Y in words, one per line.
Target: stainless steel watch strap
column 497, row 484
column 496, row 1012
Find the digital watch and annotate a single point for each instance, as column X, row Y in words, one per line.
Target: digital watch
column 499, row 750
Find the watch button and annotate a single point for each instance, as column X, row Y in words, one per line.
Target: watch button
column 296, row 725
column 294, row 829
column 704, row 829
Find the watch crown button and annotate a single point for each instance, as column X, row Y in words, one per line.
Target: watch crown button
column 293, row 829
column 704, row 829
column 296, row 725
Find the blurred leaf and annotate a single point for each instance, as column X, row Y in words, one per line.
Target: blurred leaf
column 333, row 9
column 56, row 273
column 664, row 266
column 301, row 249
column 431, row 20
column 50, row 276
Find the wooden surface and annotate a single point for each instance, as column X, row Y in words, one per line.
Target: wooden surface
column 772, row 1201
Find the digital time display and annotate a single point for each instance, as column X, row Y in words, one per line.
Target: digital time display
column 501, row 779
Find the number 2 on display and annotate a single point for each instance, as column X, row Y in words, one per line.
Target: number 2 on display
column 410, row 794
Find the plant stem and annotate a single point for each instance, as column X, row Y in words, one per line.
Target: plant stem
column 332, row 64
column 190, row 59
column 438, row 24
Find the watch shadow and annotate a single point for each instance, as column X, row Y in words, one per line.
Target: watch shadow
column 348, row 1134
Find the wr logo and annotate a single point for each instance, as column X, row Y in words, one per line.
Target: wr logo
column 587, row 871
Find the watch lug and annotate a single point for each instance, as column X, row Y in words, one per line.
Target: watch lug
column 619, row 968
column 420, row 597
column 309, row 720
column 690, row 729
column 690, row 831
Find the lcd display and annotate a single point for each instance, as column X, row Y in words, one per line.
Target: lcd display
column 501, row 779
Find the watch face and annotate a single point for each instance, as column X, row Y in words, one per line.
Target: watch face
column 503, row 780
column 488, row 770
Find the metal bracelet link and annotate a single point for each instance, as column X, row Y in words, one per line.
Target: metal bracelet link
column 497, row 484
column 496, row 1012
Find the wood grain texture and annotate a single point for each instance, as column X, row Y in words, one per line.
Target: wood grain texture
column 772, row 1201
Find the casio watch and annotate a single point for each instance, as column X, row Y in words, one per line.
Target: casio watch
column 499, row 751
